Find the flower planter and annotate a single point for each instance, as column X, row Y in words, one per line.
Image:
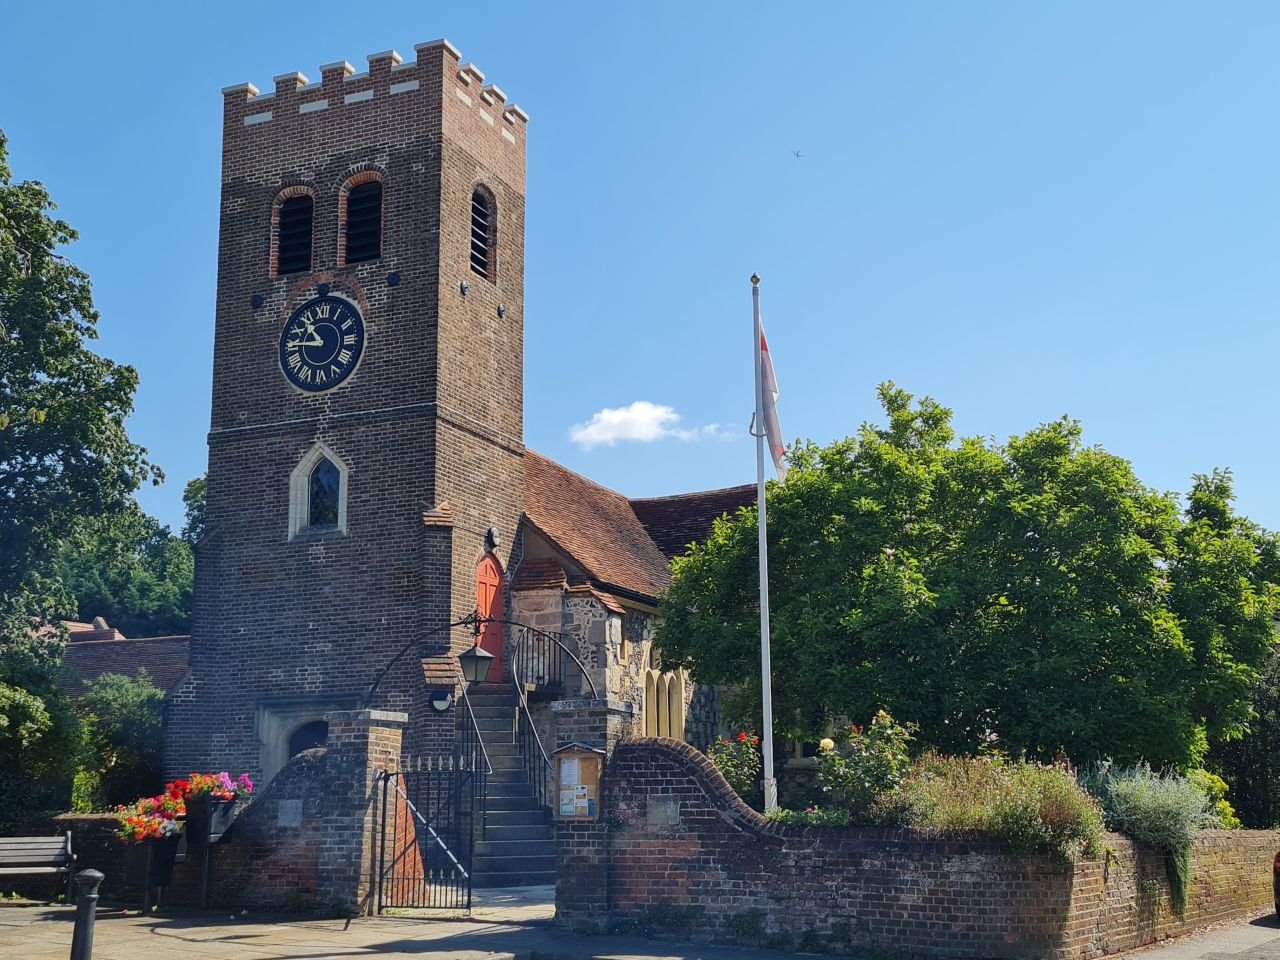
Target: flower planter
column 150, row 863
column 208, row 817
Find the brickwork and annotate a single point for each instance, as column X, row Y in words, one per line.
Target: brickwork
column 304, row 842
column 686, row 858
column 429, row 425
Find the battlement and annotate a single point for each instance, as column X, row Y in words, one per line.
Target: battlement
column 388, row 75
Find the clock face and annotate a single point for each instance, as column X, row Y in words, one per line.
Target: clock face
column 321, row 343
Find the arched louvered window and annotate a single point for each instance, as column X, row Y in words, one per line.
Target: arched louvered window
column 293, row 235
column 323, row 495
column 484, row 233
column 364, row 222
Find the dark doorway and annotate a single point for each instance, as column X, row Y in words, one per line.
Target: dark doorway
column 308, row 737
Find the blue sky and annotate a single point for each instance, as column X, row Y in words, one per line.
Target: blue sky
column 1024, row 210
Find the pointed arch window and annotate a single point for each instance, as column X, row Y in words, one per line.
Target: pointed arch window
column 663, row 699
column 293, row 234
column 484, row 234
column 318, row 494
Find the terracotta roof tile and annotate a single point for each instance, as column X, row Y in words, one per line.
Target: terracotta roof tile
column 675, row 522
column 164, row 658
column 595, row 526
column 539, row 575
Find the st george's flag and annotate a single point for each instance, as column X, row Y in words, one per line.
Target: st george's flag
column 769, row 401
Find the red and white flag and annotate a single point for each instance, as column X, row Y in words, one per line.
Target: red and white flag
column 769, row 401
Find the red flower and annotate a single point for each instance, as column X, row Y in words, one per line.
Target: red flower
column 742, row 737
column 755, row 740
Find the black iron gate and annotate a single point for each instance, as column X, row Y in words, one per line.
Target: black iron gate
column 426, row 834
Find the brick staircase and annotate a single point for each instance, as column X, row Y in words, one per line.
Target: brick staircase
column 519, row 848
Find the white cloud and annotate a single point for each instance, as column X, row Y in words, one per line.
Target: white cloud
column 639, row 422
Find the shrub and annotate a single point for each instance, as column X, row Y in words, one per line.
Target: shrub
column 1215, row 788
column 738, row 758
column 810, row 817
column 1030, row 806
column 865, row 765
column 1162, row 809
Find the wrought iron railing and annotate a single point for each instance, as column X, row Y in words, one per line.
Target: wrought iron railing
column 470, row 753
column 426, row 841
column 537, row 659
column 537, row 765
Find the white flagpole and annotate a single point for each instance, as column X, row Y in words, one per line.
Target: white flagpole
column 766, row 668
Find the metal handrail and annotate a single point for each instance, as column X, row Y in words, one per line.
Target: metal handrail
column 462, row 685
column 537, row 776
column 595, row 695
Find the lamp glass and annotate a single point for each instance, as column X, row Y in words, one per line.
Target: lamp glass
column 475, row 664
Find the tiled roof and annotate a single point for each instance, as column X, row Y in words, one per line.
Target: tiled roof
column 623, row 545
column 539, row 575
column 164, row 658
column 595, row 526
column 675, row 522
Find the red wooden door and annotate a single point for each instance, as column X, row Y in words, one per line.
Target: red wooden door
column 489, row 603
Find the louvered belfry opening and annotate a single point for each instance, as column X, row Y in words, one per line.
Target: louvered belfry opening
column 293, row 239
column 482, row 234
column 364, row 222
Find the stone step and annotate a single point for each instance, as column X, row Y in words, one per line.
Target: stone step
column 516, row 817
column 502, row 804
column 507, row 776
column 504, row 789
column 529, row 831
column 488, row 711
column 490, row 847
column 492, row 881
column 486, row 864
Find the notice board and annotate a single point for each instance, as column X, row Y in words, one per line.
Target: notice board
column 577, row 791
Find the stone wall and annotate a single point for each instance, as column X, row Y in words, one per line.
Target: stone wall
column 686, row 858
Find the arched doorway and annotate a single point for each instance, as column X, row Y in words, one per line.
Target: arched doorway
column 489, row 603
column 308, row 737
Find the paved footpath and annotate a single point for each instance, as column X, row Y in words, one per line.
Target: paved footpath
column 44, row 933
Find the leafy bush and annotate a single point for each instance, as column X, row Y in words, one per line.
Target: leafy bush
column 1162, row 809
column 1030, row 806
column 810, row 817
column 124, row 726
column 865, row 765
column 1215, row 788
column 738, row 758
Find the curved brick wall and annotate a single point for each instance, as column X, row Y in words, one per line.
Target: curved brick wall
column 683, row 856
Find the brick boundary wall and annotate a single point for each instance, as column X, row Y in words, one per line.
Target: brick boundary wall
column 686, row 858
column 305, row 842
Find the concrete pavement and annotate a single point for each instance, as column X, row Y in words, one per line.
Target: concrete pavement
column 44, row 933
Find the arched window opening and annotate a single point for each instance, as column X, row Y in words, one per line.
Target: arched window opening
column 323, row 495
column 308, row 737
column 484, row 233
column 293, row 235
column 663, row 698
column 364, row 222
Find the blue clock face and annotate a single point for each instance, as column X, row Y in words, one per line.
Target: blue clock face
column 321, row 343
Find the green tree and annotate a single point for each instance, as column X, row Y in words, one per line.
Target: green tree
column 194, row 497
column 1251, row 764
column 64, row 456
column 1031, row 595
column 124, row 724
column 129, row 569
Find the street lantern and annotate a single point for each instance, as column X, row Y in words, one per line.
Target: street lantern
column 475, row 664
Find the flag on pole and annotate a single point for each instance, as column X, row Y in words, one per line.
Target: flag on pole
column 769, row 391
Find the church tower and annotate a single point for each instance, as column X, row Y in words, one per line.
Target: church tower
column 366, row 444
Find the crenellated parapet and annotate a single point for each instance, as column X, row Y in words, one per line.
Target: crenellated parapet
column 436, row 70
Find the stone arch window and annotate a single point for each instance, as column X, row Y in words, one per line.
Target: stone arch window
column 484, row 233
column 292, row 217
column 318, row 493
column 663, row 699
column 360, row 218
column 314, row 733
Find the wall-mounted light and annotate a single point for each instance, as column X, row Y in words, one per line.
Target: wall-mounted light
column 502, row 311
column 464, row 287
column 440, row 700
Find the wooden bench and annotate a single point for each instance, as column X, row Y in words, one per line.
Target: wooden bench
column 37, row 855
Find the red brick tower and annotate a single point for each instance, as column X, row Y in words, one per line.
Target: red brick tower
column 366, row 448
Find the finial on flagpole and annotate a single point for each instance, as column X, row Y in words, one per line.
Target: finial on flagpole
column 755, row 279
